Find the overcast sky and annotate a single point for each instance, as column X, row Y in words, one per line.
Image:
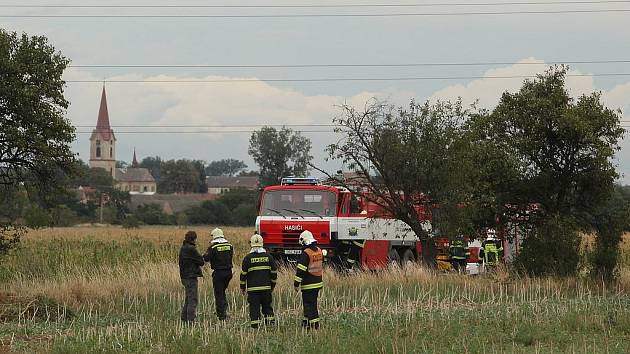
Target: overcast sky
column 535, row 39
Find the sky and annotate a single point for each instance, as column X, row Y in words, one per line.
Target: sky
column 517, row 44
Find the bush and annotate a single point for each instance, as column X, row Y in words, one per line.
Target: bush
column 552, row 248
column 244, row 214
column 63, row 216
column 131, row 222
column 37, row 217
column 152, row 214
column 210, row 212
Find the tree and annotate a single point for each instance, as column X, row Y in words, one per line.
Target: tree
column 540, row 146
column 152, row 214
column 225, row 167
column 154, row 165
column 610, row 222
column 279, row 154
column 406, row 158
column 249, row 174
column 121, row 164
column 202, row 186
column 182, row 176
column 35, row 135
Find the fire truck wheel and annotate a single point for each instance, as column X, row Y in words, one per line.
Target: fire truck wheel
column 393, row 258
column 408, row 258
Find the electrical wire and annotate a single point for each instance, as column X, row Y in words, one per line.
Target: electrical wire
column 344, row 65
column 508, row 3
column 333, row 79
column 405, row 14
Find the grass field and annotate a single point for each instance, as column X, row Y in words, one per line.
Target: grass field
column 114, row 290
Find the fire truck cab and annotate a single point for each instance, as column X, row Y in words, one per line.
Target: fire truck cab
column 336, row 217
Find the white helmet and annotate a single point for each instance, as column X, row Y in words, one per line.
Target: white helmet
column 216, row 233
column 491, row 234
column 306, row 238
column 256, row 241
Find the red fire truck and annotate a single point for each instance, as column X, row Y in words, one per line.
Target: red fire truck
column 335, row 216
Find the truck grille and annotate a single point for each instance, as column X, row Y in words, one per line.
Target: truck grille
column 290, row 238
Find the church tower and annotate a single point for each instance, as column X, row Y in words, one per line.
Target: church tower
column 103, row 141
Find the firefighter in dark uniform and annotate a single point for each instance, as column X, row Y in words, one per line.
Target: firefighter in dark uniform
column 258, row 278
column 308, row 278
column 354, row 248
column 219, row 254
column 459, row 252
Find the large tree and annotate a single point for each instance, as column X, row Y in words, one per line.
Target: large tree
column 542, row 147
column 279, row 153
column 225, row 167
column 35, row 135
column 408, row 157
column 182, row 176
column 154, row 165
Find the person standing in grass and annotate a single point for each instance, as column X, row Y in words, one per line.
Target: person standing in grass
column 459, row 252
column 258, row 279
column 190, row 263
column 219, row 254
column 308, row 277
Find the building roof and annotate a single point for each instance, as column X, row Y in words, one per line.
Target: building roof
column 133, row 175
column 232, row 182
column 102, row 124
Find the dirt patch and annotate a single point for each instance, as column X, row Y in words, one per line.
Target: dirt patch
column 24, row 308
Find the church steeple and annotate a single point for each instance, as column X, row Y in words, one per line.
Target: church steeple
column 135, row 163
column 103, row 141
column 102, row 123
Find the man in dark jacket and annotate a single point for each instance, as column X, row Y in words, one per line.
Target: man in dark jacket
column 219, row 255
column 308, row 278
column 258, row 278
column 190, row 262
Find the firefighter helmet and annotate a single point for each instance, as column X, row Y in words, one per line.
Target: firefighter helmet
column 306, row 238
column 216, row 233
column 491, row 234
column 256, row 241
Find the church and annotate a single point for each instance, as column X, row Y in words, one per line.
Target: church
column 134, row 179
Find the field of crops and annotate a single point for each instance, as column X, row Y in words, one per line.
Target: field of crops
column 89, row 289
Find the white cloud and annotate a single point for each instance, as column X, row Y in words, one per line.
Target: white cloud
column 488, row 89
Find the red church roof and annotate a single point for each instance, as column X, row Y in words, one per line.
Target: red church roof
column 102, row 124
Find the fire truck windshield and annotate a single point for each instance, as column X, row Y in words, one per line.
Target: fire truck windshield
column 303, row 202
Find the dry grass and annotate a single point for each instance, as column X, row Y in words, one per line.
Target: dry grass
column 127, row 295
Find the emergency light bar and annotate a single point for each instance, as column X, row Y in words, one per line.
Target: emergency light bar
column 290, row 181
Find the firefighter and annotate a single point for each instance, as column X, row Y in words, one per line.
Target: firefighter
column 356, row 246
column 219, row 254
column 190, row 263
column 308, row 278
column 491, row 250
column 458, row 252
column 258, row 279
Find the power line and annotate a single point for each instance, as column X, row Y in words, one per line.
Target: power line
column 509, row 3
column 340, row 79
column 343, row 65
column 420, row 14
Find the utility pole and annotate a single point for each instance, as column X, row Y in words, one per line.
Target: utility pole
column 101, row 212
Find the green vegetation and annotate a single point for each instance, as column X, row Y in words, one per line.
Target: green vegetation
column 118, row 291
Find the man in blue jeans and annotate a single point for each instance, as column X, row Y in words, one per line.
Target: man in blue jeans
column 190, row 263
